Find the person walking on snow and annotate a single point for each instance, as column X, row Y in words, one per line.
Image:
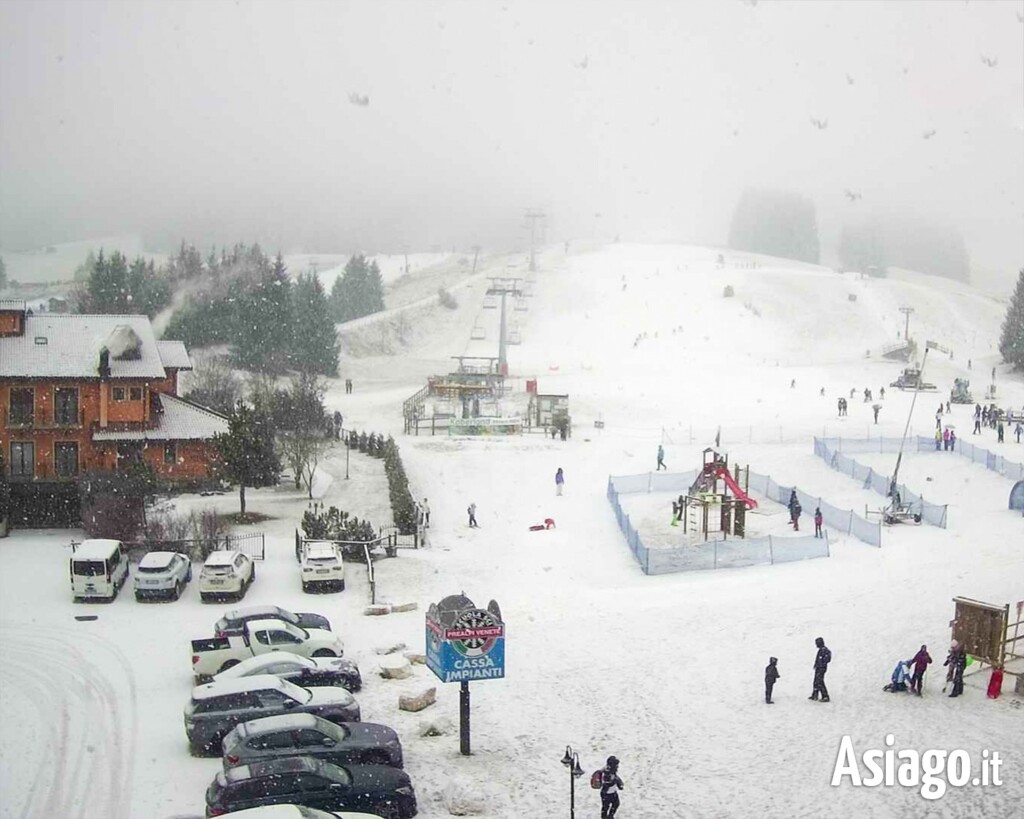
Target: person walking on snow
column 821, row 661
column 818, row 520
column 875, row 408
column 610, row 787
column 771, row 674
column 952, row 440
column 794, row 511
column 977, row 420
column 999, row 431
column 661, row 458
column 945, row 439
column 938, row 439
column 425, row 508
column 471, row 510
column 957, row 662
column 559, row 481
column 920, row 663
column 1018, row 431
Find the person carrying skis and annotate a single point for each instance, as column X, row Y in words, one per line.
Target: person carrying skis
column 919, row 663
column 661, row 459
column 611, row 784
column 821, row 661
column 559, row 481
column 771, row 674
column 818, row 520
column 471, row 510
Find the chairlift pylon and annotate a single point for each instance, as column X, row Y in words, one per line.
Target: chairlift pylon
column 478, row 333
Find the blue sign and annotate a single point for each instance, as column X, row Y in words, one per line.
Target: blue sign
column 471, row 648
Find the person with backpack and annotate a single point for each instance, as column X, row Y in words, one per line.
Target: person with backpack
column 611, row 784
column 919, row 663
column 818, row 520
column 771, row 674
column 471, row 510
column 821, row 661
column 559, row 481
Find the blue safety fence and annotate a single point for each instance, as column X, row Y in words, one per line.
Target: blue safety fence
column 834, row 451
column 725, row 553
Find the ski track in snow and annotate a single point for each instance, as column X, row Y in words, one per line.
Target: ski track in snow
column 84, row 765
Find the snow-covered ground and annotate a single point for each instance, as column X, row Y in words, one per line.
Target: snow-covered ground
column 665, row 672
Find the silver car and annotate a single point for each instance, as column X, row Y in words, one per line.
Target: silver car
column 162, row 574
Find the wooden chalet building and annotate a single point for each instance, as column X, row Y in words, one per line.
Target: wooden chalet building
column 82, row 394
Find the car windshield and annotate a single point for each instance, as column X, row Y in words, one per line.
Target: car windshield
column 90, row 568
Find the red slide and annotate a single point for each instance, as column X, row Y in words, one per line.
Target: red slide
column 723, row 473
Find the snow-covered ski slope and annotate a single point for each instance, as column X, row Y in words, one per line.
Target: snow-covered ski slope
column 665, row 672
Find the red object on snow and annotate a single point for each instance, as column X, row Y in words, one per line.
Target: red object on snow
column 531, row 385
column 548, row 523
column 995, row 683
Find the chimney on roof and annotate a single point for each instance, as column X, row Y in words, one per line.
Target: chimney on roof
column 104, row 368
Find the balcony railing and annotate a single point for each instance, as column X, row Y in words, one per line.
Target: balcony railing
column 41, row 420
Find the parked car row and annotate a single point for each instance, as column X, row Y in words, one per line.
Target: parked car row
column 288, row 750
column 99, row 569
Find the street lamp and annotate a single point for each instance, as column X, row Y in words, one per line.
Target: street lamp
column 571, row 760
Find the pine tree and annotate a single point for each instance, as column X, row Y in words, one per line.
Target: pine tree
column 314, row 347
column 3, row 274
column 247, row 452
column 1011, row 342
column 359, row 291
column 264, row 323
column 776, row 223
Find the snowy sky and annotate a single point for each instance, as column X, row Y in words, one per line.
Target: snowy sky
column 232, row 120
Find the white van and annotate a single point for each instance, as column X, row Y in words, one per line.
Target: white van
column 99, row 568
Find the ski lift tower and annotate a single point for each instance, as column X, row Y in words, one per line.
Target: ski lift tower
column 906, row 328
column 504, row 287
column 535, row 220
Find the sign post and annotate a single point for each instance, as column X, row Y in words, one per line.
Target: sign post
column 465, row 643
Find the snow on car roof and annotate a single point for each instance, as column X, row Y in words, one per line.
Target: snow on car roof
column 321, row 550
column 252, row 666
column 95, row 549
column 156, row 560
column 250, row 612
column 221, row 557
column 283, row 722
column 258, row 682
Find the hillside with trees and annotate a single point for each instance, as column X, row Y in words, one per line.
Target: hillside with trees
column 1011, row 340
column 776, row 223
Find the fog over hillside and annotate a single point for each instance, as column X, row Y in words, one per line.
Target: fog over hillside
column 379, row 126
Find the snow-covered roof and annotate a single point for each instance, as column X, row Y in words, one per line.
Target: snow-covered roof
column 180, row 421
column 221, row 557
column 156, row 560
column 61, row 345
column 282, row 722
column 96, row 549
column 258, row 682
column 12, row 304
column 174, row 355
column 251, row 666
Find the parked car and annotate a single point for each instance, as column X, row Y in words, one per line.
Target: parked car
column 217, row 707
column 292, row 812
column 348, row 743
column 378, row 789
column 162, row 574
column 322, row 567
column 304, row 671
column 99, row 568
column 226, row 573
column 212, row 655
column 232, row 621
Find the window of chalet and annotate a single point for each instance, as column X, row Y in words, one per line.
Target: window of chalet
column 23, row 459
column 65, row 406
column 117, row 393
column 128, row 452
column 23, row 401
column 135, row 393
column 65, row 458
column 170, row 452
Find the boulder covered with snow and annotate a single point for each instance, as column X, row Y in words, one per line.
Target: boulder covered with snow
column 392, row 649
column 415, row 657
column 377, row 609
column 438, row 726
column 464, row 798
column 417, row 702
column 395, row 667
column 410, row 606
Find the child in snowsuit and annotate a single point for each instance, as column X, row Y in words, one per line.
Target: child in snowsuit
column 559, row 481
column 771, row 674
column 610, row 787
column 818, row 520
column 471, row 510
column 919, row 663
column 898, row 681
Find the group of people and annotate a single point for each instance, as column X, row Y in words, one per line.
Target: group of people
column 945, row 439
column 795, row 510
column 992, row 417
column 914, row 668
column 822, row 658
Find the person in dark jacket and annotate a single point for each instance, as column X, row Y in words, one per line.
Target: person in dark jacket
column 610, row 787
column 957, row 662
column 771, row 674
column 794, row 512
column 821, row 661
column 919, row 663
column 661, row 458
column 818, row 520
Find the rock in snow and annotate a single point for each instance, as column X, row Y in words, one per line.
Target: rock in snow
column 417, row 702
column 395, row 667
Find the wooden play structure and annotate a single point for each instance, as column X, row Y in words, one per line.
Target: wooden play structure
column 697, row 508
column 984, row 630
